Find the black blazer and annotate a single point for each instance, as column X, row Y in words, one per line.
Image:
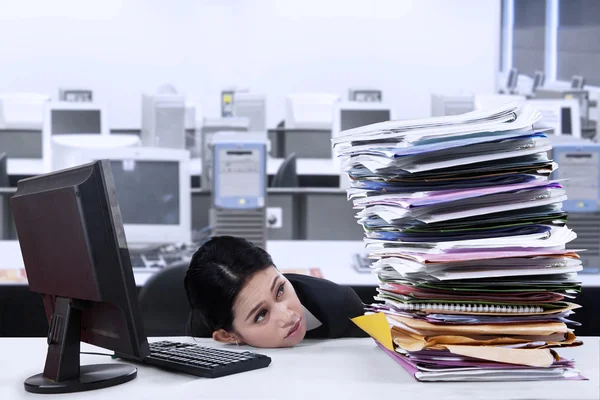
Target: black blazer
column 330, row 303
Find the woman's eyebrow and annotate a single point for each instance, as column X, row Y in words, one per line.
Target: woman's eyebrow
column 254, row 310
column 274, row 283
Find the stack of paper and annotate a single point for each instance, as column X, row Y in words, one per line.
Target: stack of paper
column 468, row 236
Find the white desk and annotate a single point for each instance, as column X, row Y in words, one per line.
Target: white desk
column 304, row 166
column 331, row 369
column 15, row 166
column 334, row 258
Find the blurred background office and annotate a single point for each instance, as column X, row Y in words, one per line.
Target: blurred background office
column 218, row 114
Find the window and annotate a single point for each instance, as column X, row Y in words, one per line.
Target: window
column 529, row 35
column 579, row 40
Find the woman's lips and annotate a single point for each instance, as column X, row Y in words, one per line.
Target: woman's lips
column 294, row 329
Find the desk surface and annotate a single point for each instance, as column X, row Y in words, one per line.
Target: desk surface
column 330, row 369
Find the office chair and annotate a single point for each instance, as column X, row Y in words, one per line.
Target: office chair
column 286, row 174
column 164, row 304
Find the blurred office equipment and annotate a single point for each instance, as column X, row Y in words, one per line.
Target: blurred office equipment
column 68, row 118
column 210, row 127
column 579, row 162
column 238, row 203
column 577, row 82
column 287, row 174
column 153, row 188
column 70, row 150
column 511, row 82
column 442, row 105
column 164, row 120
column 75, row 255
column 491, row 100
column 370, row 95
column 588, row 126
column 193, row 128
column 539, row 77
column 309, row 110
column 561, row 115
column 22, row 111
column 254, row 107
column 228, row 100
column 3, row 171
column 75, row 95
column 352, row 114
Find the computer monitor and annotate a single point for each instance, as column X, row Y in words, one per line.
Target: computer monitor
column 22, row 111
column 75, row 255
column 369, row 95
column 254, row 107
column 309, row 110
column 561, row 115
column 577, row 82
column 71, row 118
column 539, row 78
column 349, row 115
column 442, row 105
column 153, row 188
column 163, row 120
column 512, row 79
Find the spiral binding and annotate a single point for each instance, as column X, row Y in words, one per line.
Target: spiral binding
column 481, row 308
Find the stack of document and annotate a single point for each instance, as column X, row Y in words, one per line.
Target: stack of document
column 467, row 235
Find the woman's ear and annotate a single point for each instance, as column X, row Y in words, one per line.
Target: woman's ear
column 223, row 336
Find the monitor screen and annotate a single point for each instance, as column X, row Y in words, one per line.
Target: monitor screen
column 354, row 118
column 68, row 122
column 21, row 144
column 566, row 122
column 148, row 191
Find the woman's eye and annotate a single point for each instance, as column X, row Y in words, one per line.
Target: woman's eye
column 260, row 316
column 280, row 290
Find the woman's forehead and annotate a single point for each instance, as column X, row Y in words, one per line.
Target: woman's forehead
column 257, row 288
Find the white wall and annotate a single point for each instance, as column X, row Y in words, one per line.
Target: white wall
column 121, row 47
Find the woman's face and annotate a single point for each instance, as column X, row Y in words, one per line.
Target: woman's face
column 267, row 312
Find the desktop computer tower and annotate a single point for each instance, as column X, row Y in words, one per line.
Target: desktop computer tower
column 579, row 163
column 163, row 121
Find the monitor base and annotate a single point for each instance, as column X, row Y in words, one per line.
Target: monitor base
column 91, row 377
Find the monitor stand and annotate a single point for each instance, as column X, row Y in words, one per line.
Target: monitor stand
column 62, row 372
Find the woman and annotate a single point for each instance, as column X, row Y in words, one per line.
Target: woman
column 238, row 296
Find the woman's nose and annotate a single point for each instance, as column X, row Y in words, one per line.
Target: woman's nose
column 286, row 315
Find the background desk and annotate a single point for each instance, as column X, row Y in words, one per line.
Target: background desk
column 329, row 369
column 22, row 313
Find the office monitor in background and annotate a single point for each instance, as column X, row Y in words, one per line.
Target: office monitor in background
column 163, row 120
column 539, row 77
column 577, row 82
column 153, row 187
column 72, row 118
column 443, row 105
column 309, row 110
column 254, row 107
column 76, row 257
column 349, row 115
column 561, row 115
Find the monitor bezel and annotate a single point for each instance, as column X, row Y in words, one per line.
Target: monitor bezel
column 339, row 107
column 141, row 234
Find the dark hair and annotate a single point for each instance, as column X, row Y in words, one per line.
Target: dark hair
column 216, row 275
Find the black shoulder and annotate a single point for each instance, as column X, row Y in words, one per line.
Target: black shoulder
column 330, row 303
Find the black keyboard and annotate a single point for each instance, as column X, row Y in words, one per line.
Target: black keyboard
column 203, row 361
